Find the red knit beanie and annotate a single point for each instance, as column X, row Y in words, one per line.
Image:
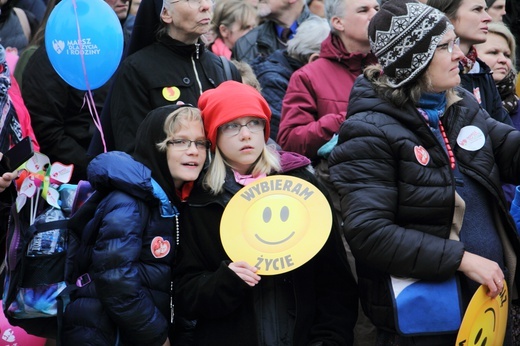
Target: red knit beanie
column 229, row 101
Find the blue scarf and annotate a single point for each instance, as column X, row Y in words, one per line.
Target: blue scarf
column 433, row 105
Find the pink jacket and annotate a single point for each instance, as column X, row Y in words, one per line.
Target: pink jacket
column 219, row 48
column 316, row 100
column 23, row 114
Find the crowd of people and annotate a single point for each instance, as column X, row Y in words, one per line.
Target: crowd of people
column 404, row 114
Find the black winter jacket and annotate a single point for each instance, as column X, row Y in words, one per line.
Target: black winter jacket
column 398, row 212
column 163, row 73
column 487, row 89
column 322, row 292
column 262, row 40
column 512, row 19
column 129, row 297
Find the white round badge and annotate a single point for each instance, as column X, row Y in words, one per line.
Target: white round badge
column 471, row 138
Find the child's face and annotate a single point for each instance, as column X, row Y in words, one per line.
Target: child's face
column 242, row 149
column 186, row 164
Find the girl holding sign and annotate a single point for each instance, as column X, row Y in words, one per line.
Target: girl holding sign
column 232, row 300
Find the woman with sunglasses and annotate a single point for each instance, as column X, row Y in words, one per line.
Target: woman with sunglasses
column 418, row 166
column 128, row 247
column 314, row 304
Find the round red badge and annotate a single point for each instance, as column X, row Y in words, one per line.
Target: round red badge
column 421, row 155
column 160, row 247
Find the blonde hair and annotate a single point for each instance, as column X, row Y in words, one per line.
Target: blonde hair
column 177, row 120
column 227, row 12
column 247, row 74
column 267, row 162
column 500, row 29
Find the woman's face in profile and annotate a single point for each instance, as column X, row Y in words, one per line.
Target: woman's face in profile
column 443, row 71
column 497, row 10
column 471, row 22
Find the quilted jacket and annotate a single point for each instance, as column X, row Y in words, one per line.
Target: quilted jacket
column 398, row 209
column 129, row 297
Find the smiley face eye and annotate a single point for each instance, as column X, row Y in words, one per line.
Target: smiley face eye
column 284, row 213
column 267, row 214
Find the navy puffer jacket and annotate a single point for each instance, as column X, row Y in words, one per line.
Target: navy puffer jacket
column 128, row 247
column 273, row 73
column 483, row 85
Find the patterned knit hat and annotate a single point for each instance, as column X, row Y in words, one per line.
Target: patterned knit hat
column 404, row 35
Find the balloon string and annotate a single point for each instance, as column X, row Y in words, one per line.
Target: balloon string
column 90, row 99
column 97, row 121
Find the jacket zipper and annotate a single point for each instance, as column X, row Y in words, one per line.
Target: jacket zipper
column 197, row 45
column 172, row 313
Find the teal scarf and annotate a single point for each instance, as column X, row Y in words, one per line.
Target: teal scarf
column 433, row 104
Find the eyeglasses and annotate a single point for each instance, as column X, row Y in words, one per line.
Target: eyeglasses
column 194, row 4
column 185, row 144
column 233, row 129
column 450, row 44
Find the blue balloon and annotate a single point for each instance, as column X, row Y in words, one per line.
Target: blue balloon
column 101, row 42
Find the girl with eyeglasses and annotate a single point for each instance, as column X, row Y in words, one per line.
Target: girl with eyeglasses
column 128, row 248
column 312, row 305
column 418, row 166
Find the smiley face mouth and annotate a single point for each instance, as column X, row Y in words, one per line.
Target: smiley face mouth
column 274, row 242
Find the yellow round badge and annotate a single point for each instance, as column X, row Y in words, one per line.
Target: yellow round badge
column 485, row 319
column 171, row 93
column 276, row 224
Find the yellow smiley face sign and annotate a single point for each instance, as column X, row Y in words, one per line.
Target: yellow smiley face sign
column 276, row 224
column 485, row 319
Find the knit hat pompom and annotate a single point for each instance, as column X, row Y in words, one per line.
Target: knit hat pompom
column 403, row 36
column 229, row 101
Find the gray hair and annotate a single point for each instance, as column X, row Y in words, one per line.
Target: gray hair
column 163, row 29
column 308, row 38
column 334, row 8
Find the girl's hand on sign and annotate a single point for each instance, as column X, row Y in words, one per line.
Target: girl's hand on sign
column 246, row 272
